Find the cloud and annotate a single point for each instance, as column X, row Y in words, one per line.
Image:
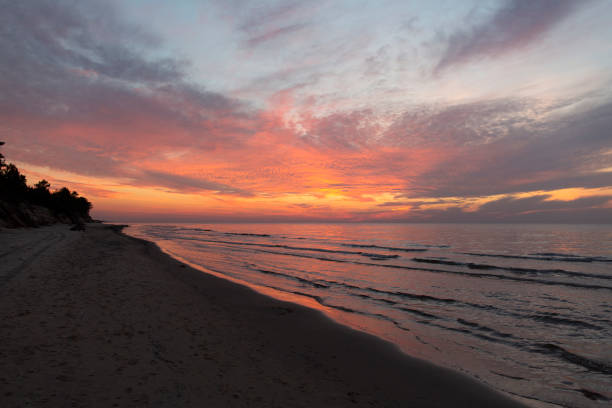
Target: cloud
column 82, row 91
column 80, row 159
column 342, row 131
column 462, row 124
column 415, row 204
column 57, row 36
column 267, row 22
column 273, row 34
column 59, row 60
column 507, row 147
column 538, row 208
column 483, row 148
column 515, row 25
column 266, row 15
column 185, row 184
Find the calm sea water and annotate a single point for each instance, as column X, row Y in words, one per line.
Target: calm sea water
column 525, row 308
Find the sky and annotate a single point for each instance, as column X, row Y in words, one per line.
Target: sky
column 319, row 110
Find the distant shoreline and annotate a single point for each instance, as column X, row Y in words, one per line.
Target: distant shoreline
column 99, row 317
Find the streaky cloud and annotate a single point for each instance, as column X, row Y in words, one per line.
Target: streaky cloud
column 507, row 148
column 515, row 25
column 538, row 208
column 86, row 92
column 83, row 91
column 186, row 184
column 274, row 34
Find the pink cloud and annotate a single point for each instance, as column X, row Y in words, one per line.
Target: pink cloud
column 141, row 122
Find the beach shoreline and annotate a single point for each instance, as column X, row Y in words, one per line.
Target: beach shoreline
column 99, row 318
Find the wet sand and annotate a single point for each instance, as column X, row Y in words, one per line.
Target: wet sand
column 99, row 319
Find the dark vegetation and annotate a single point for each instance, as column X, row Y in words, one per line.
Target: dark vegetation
column 23, row 205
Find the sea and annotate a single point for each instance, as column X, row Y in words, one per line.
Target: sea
column 526, row 309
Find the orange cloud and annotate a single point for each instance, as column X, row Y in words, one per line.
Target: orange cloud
column 137, row 136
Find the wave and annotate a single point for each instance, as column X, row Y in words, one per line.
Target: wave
column 542, row 348
column 512, row 377
column 295, row 292
column 250, row 234
column 501, row 277
column 360, row 312
column 296, row 278
column 412, row 295
column 417, row 297
column 326, row 284
column 592, row 395
column 466, row 327
column 555, row 254
column 194, row 229
column 419, row 313
column 389, row 297
column 372, row 256
column 347, row 285
column 379, row 257
column 387, row 248
column 513, row 269
column 591, row 364
column 322, row 302
column 545, row 318
column 545, row 256
column 460, row 273
column 563, row 321
column 482, row 336
column 487, row 329
column 536, row 317
column 385, row 301
column 246, row 234
column 571, row 256
column 493, row 335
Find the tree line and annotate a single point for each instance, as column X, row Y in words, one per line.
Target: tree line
column 14, row 189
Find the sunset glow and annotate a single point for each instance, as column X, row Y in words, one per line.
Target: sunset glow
column 313, row 111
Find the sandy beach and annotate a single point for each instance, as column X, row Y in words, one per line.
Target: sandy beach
column 99, row 319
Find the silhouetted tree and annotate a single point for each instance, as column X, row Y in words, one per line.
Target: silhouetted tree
column 12, row 183
column 13, row 188
column 41, row 194
column 42, row 185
